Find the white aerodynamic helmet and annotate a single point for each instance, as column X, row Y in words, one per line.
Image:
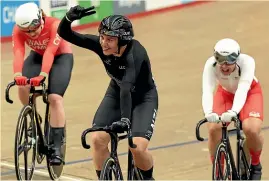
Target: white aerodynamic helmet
column 226, row 51
column 28, row 16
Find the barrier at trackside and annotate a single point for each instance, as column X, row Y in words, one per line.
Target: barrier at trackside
column 58, row 9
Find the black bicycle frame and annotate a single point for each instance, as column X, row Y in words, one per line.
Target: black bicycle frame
column 34, row 93
column 114, row 146
column 225, row 140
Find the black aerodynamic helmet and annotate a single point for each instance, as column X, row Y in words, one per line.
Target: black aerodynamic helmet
column 118, row 26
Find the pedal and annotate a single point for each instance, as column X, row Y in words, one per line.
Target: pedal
column 61, row 160
column 40, row 157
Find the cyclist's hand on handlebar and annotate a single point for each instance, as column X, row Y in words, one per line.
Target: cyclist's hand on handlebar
column 212, row 117
column 121, row 126
column 21, row 80
column 36, row 81
column 228, row 116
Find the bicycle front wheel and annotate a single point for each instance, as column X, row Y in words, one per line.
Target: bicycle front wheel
column 109, row 171
column 222, row 169
column 25, row 141
column 136, row 174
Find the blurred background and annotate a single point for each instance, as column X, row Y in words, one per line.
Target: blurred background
column 179, row 36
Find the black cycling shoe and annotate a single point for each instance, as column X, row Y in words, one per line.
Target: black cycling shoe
column 57, row 136
column 256, row 172
column 56, row 157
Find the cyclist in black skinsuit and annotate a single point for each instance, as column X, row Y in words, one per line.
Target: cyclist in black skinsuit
column 131, row 95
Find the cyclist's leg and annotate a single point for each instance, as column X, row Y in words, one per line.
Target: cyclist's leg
column 59, row 78
column 107, row 113
column 143, row 121
column 31, row 68
column 222, row 102
column 252, row 118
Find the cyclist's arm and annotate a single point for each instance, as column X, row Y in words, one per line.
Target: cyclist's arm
column 208, row 86
column 247, row 76
column 51, row 49
column 125, row 87
column 18, row 51
column 87, row 41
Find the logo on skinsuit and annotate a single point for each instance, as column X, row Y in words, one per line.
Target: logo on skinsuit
column 38, row 44
column 254, row 114
column 153, row 118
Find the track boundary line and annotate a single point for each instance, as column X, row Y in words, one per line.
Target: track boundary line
column 38, row 172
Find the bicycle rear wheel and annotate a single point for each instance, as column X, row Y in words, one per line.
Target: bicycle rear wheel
column 109, row 170
column 134, row 173
column 222, row 169
column 245, row 161
column 25, row 141
column 55, row 171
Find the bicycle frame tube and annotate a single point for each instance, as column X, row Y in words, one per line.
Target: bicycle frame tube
column 32, row 103
column 40, row 133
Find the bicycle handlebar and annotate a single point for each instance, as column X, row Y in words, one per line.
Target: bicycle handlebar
column 109, row 130
column 201, row 122
column 13, row 83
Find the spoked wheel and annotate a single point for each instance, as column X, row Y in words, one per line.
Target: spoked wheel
column 222, row 169
column 136, row 174
column 25, row 145
column 55, row 171
column 109, row 171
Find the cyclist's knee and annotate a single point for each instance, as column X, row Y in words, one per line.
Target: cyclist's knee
column 55, row 100
column 214, row 130
column 100, row 140
column 252, row 126
column 142, row 145
column 24, row 93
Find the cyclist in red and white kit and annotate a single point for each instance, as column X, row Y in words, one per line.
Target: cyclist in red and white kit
column 238, row 92
column 50, row 57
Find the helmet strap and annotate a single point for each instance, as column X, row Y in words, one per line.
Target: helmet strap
column 120, row 45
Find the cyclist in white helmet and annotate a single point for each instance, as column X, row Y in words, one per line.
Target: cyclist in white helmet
column 238, row 92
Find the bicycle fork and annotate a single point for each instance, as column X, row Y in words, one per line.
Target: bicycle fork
column 230, row 160
column 114, row 155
